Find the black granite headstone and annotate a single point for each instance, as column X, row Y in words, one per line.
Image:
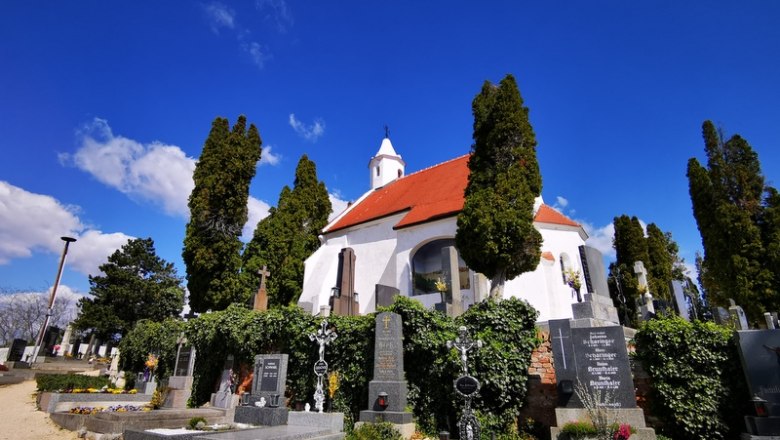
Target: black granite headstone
column 593, row 357
column 385, row 295
column 17, row 350
column 760, row 354
column 602, row 363
column 183, row 361
column 270, row 376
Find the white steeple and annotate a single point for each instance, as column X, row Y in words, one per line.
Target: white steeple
column 386, row 165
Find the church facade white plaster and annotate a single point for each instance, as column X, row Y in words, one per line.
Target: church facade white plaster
column 402, row 220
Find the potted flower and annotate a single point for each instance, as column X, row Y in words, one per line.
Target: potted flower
column 572, row 278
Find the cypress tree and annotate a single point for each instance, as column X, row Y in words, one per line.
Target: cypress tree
column 729, row 204
column 659, row 262
column 218, row 211
column 283, row 240
column 630, row 246
column 496, row 235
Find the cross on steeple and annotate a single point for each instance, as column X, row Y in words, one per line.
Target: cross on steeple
column 387, row 132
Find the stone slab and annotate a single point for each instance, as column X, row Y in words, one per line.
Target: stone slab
column 395, row 417
column 331, row 421
column 58, row 402
column 254, row 415
column 396, row 395
column 388, row 348
column 180, row 382
column 633, row 416
column 746, row 436
column 763, row 425
column 132, row 434
column 115, row 422
column 283, row 432
column 71, row 422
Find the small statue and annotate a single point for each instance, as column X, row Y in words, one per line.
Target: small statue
column 307, row 407
column 261, row 403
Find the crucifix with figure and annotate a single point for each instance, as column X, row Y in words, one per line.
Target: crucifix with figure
column 261, row 297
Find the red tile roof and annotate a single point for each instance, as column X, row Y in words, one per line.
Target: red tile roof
column 548, row 256
column 429, row 194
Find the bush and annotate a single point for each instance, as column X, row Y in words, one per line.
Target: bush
column 375, row 431
column 698, row 389
column 197, row 423
column 151, row 337
column 579, row 429
column 59, row 382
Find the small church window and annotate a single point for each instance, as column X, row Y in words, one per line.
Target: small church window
column 565, row 265
column 427, row 267
column 400, row 173
column 377, row 171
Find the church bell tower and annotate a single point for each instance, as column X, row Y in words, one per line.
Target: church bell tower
column 386, row 165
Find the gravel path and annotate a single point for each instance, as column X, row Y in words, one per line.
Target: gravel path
column 19, row 420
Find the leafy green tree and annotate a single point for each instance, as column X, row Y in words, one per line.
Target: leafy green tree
column 496, row 235
column 283, row 240
column 732, row 204
column 218, row 212
column 137, row 285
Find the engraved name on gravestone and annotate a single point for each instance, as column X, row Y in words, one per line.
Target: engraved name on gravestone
column 270, row 376
column 602, row 365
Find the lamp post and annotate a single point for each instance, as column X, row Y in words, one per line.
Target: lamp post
column 68, row 241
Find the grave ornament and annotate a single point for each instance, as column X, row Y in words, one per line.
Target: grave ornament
column 466, row 385
column 323, row 337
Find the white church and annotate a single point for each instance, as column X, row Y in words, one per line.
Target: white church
column 396, row 232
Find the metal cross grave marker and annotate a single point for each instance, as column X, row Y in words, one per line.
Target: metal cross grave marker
column 323, row 337
column 466, row 385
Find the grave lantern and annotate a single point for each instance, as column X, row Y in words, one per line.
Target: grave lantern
column 245, row 399
column 382, row 400
column 335, row 292
column 760, row 405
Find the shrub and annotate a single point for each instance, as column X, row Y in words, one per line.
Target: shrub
column 60, row 382
column 151, row 337
column 698, row 388
column 197, row 423
column 375, row 431
column 579, row 429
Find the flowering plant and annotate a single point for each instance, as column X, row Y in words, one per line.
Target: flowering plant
column 623, row 432
column 151, row 361
column 573, row 279
column 440, row 285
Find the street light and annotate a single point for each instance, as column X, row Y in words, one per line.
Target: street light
column 68, row 241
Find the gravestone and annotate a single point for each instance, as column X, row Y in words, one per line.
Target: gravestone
column 597, row 308
column 17, row 350
column 680, row 304
column 261, row 298
column 738, row 316
column 721, row 316
column 223, row 398
column 180, row 383
column 268, row 386
column 385, row 295
column 451, row 272
column 389, row 379
column 759, row 351
column 770, row 323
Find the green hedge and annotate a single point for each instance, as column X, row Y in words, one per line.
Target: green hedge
column 698, row 388
column 506, row 327
column 59, row 382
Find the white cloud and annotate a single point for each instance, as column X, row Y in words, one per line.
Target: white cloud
column 155, row 172
column 561, row 202
column 219, row 16
column 32, row 222
column 269, row 158
column 309, row 132
column 337, row 204
column 600, row 238
column 257, row 52
column 258, row 210
column 277, row 11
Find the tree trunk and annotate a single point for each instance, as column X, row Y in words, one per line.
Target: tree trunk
column 497, row 286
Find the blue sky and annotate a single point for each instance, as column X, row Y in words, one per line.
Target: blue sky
column 104, row 106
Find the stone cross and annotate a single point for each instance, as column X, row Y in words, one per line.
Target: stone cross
column 261, row 298
column 323, row 337
column 641, row 274
column 463, row 343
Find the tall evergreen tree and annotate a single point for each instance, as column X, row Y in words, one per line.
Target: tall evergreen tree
column 729, row 205
column 659, row 262
column 630, row 246
column 496, row 235
column 283, row 240
column 218, row 211
column 137, row 285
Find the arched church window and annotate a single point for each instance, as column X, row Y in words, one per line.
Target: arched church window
column 427, row 266
column 377, row 171
column 565, row 265
column 400, row 173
